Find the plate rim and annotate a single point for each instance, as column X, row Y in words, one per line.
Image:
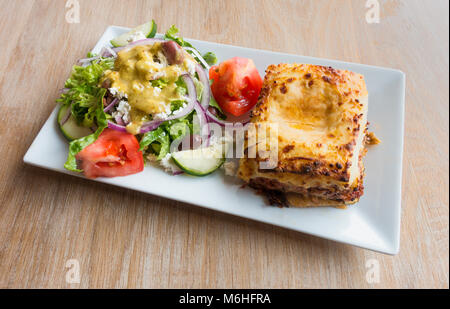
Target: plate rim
column 392, row 246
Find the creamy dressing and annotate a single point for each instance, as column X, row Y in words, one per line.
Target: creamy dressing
column 134, row 71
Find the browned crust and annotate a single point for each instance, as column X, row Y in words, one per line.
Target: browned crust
column 301, row 201
column 348, row 195
column 278, row 193
column 371, row 139
column 350, row 85
column 296, row 200
column 306, row 166
column 349, row 100
column 312, row 167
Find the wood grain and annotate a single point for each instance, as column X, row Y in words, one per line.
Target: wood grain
column 126, row 239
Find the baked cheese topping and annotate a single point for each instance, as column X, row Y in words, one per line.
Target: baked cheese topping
column 321, row 117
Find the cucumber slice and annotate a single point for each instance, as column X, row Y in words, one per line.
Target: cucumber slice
column 202, row 161
column 153, row 31
column 148, row 30
column 70, row 129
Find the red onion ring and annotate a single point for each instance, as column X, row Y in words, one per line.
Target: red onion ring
column 119, row 121
column 66, row 116
column 204, row 79
column 117, row 127
column 146, row 41
column 203, row 123
column 138, row 43
column 108, row 108
column 197, row 54
column 192, row 92
column 214, row 119
column 108, row 52
column 150, row 127
column 84, row 61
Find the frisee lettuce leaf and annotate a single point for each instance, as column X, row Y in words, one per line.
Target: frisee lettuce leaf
column 171, row 34
column 83, row 90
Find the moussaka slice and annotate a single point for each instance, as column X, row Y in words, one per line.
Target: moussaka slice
column 320, row 116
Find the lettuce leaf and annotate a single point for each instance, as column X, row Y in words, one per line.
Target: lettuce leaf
column 210, row 58
column 160, row 83
column 158, row 136
column 220, row 113
column 213, row 103
column 179, row 129
column 77, row 145
column 158, row 141
column 176, row 104
column 172, row 34
column 198, row 88
column 181, row 86
column 83, row 90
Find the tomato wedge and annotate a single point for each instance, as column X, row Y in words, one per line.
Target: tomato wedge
column 236, row 85
column 113, row 154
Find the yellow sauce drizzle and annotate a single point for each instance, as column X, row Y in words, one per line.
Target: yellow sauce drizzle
column 134, row 69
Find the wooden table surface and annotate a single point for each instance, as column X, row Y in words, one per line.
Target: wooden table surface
column 126, row 239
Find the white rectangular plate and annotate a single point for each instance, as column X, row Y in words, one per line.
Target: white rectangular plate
column 373, row 223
